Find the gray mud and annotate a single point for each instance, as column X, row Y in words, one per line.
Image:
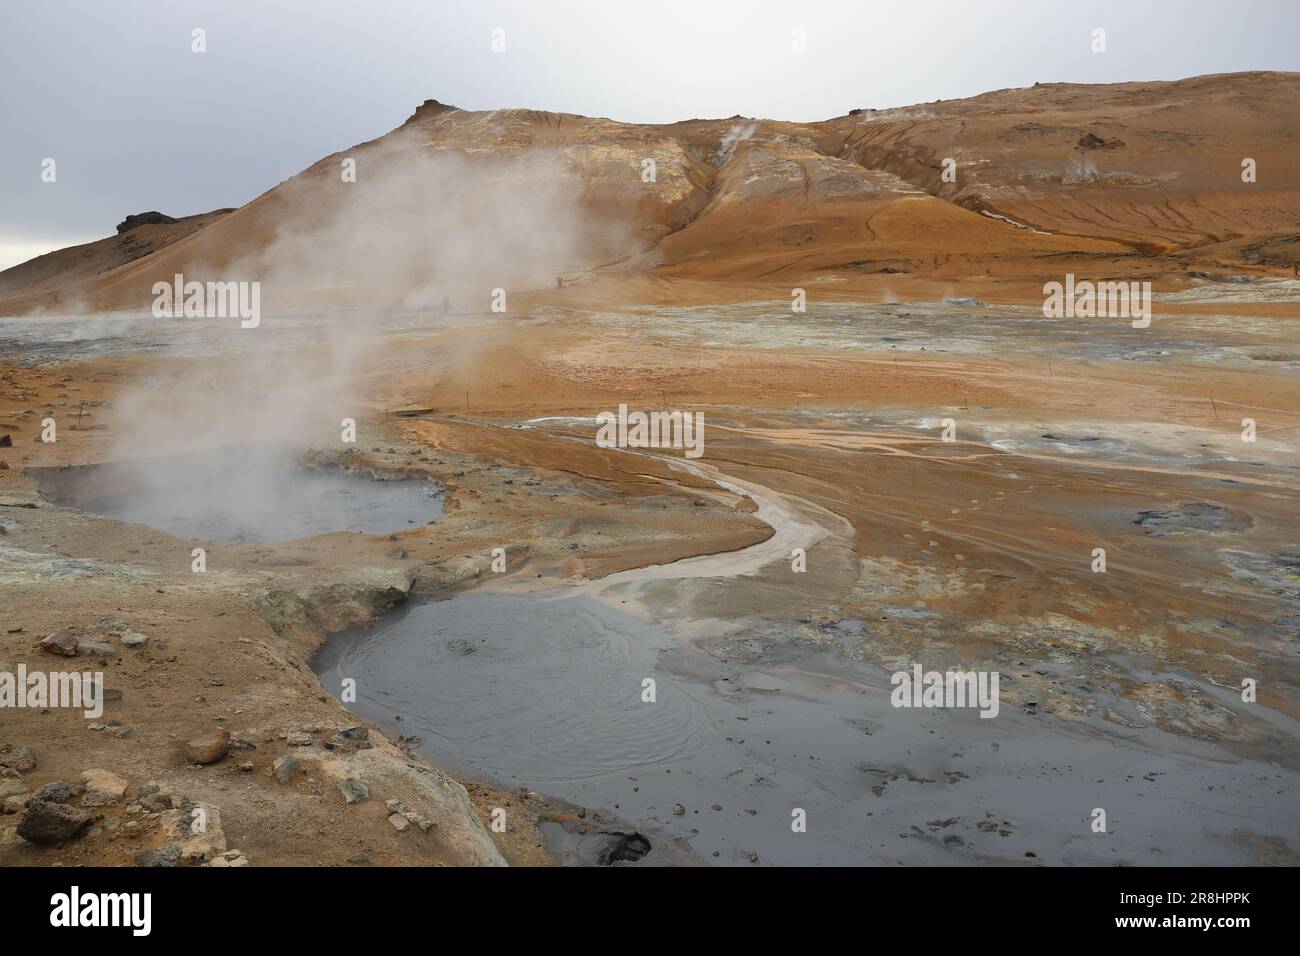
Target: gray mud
column 545, row 691
column 238, row 494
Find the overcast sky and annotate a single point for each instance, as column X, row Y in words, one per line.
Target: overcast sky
column 135, row 120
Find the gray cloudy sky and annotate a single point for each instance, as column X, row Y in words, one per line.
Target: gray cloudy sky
column 135, row 120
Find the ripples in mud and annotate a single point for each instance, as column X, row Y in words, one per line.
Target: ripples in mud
column 518, row 688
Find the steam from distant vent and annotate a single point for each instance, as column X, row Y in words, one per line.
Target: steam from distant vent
column 417, row 226
column 735, row 136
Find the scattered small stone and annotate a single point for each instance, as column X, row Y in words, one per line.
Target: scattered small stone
column 285, row 769
column 18, row 757
column 353, row 790
column 17, row 803
column 92, row 646
column 11, row 783
column 229, row 858
column 399, row 822
column 364, row 858
column 398, row 808
column 297, row 738
column 134, row 639
column 678, row 810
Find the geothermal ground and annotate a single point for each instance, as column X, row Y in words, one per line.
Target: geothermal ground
column 1119, row 690
column 364, row 588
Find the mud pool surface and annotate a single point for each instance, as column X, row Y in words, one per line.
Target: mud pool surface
column 545, row 691
column 234, row 495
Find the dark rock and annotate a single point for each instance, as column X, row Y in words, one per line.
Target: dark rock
column 153, row 218
column 169, row 854
column 1091, row 140
column 157, row 802
column 624, row 848
column 45, row 823
column 56, row 792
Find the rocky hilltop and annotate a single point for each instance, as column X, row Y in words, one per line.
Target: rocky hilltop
column 995, row 192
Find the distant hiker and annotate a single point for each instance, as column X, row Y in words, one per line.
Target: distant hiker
column 559, row 282
column 446, row 305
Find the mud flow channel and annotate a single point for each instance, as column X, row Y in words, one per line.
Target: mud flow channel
column 240, row 495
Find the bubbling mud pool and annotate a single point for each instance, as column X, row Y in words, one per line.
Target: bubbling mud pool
column 241, row 495
column 546, row 691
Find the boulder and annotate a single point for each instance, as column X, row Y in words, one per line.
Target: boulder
column 209, row 748
column 198, row 831
column 100, row 788
column 56, row 792
column 45, row 823
column 62, row 642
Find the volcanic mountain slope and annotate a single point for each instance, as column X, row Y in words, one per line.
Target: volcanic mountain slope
column 1123, row 180
column 137, row 236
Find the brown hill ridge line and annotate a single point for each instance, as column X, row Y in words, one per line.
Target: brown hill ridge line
column 1119, row 180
